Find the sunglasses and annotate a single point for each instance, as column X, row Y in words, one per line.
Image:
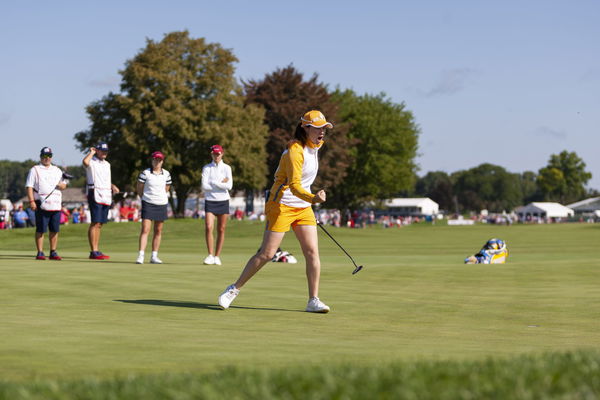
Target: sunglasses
column 46, row 156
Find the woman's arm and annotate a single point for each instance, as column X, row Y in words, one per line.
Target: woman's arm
column 206, row 184
column 227, row 182
column 294, row 172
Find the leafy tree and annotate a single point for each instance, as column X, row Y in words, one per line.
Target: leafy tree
column 529, row 187
column 12, row 178
column 179, row 96
column 487, row 186
column 438, row 186
column 286, row 95
column 564, row 178
column 383, row 157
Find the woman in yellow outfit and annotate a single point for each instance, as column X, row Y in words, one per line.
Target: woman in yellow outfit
column 289, row 205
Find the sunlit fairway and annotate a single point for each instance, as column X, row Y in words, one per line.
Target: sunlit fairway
column 414, row 300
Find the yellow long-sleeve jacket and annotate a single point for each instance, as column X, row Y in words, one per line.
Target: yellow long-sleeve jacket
column 295, row 174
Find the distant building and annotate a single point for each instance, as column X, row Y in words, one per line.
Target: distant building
column 586, row 207
column 544, row 210
column 420, row 206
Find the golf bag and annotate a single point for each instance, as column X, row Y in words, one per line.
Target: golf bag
column 494, row 251
column 284, row 256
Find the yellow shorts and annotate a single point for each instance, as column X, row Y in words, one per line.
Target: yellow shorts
column 280, row 217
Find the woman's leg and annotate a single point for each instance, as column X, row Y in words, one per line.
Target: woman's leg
column 221, row 224
column 271, row 241
column 209, row 223
column 146, row 223
column 309, row 242
column 158, row 226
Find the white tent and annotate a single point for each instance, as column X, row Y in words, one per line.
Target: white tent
column 544, row 210
column 412, row 206
column 587, row 206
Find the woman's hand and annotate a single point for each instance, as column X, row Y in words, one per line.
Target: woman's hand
column 320, row 197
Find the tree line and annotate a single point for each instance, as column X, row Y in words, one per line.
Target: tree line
column 179, row 95
column 493, row 188
column 486, row 186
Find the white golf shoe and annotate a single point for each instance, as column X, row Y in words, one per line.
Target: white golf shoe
column 317, row 306
column 217, row 260
column 140, row 259
column 228, row 296
column 209, row 260
column 155, row 260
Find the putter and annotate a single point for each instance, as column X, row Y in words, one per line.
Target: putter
column 357, row 267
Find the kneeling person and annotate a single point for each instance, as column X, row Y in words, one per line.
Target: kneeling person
column 44, row 185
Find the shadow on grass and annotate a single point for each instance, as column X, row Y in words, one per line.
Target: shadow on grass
column 67, row 258
column 16, row 256
column 168, row 303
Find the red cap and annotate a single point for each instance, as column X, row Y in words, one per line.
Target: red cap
column 216, row 149
column 158, row 154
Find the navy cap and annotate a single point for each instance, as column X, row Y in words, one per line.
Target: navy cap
column 102, row 146
column 46, row 151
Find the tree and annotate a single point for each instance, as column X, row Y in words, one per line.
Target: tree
column 529, row 188
column 285, row 95
column 383, row 156
column 179, row 96
column 564, row 178
column 12, row 179
column 487, row 186
column 438, row 186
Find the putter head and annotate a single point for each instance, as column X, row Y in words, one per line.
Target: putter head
column 357, row 269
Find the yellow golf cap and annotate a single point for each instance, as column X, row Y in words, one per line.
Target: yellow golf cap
column 315, row 118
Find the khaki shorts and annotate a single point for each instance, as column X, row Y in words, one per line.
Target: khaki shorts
column 280, row 217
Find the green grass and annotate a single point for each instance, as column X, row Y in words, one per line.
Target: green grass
column 414, row 303
column 560, row 376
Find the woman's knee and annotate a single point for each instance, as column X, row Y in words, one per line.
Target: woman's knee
column 265, row 255
column 311, row 254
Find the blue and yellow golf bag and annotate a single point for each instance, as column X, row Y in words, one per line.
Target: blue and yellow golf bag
column 494, row 251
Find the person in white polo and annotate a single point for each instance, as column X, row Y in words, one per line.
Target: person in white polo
column 44, row 185
column 99, row 194
column 217, row 181
column 153, row 187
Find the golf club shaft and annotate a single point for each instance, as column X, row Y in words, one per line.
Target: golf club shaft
column 336, row 242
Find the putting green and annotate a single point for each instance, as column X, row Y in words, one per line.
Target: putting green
column 415, row 299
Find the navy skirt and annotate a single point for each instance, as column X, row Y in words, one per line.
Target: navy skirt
column 154, row 212
column 216, row 207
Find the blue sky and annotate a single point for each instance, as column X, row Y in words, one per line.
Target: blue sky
column 505, row 82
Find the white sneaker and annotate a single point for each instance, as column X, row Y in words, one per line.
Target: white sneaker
column 228, row 296
column 317, row 306
column 217, row 260
column 140, row 259
column 155, row 260
column 210, row 260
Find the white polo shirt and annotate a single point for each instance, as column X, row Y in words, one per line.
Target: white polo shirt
column 44, row 180
column 98, row 178
column 212, row 181
column 154, row 186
